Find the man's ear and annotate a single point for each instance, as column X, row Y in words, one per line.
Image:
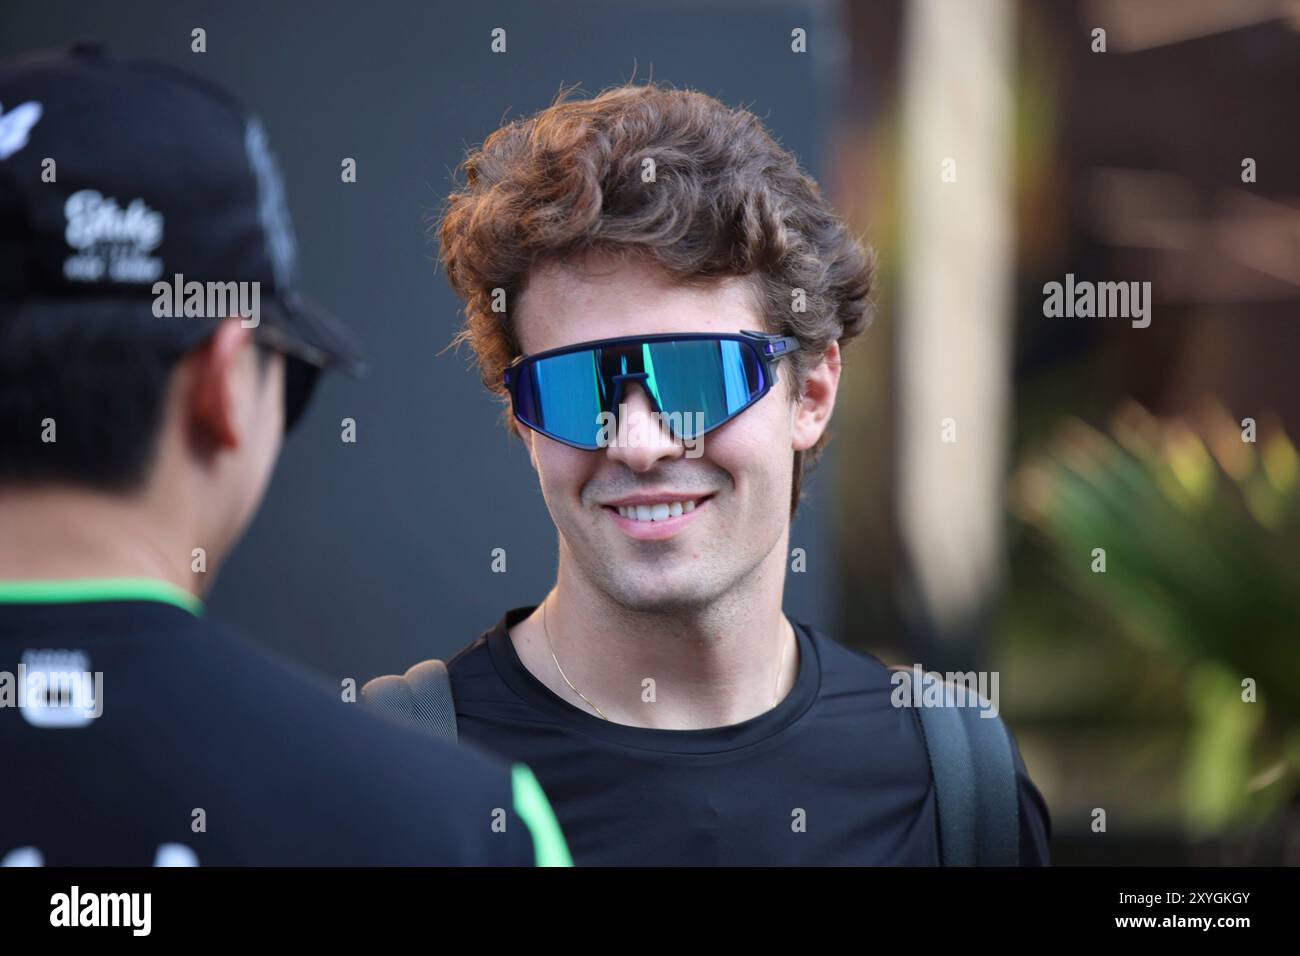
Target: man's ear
column 528, row 437
column 222, row 384
column 816, row 401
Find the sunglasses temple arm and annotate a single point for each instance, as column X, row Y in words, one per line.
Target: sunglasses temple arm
column 779, row 346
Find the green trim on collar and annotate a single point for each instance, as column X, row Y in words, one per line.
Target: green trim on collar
column 83, row 590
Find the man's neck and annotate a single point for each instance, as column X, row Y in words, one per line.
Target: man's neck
column 62, row 533
column 711, row 666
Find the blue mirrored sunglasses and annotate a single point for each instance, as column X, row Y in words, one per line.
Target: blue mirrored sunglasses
column 696, row 381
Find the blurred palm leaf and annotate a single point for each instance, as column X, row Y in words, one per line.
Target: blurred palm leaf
column 1201, row 534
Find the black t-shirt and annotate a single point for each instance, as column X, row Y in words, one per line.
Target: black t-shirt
column 833, row 775
column 208, row 751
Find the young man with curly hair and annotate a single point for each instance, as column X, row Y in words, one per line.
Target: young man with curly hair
column 662, row 295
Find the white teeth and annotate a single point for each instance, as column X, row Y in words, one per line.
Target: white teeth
column 657, row 512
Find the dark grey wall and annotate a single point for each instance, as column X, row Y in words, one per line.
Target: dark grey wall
column 368, row 557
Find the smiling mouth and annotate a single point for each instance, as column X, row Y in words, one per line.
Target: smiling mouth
column 657, row 512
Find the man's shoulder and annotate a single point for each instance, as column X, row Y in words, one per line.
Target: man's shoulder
column 313, row 776
column 848, row 666
column 858, row 689
column 333, row 724
column 473, row 673
column 422, row 800
column 476, row 669
column 280, row 687
column 852, row 674
column 470, row 657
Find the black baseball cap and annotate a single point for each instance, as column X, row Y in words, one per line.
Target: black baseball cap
column 117, row 175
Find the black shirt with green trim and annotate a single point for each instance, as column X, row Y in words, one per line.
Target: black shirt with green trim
column 835, row 774
column 190, row 746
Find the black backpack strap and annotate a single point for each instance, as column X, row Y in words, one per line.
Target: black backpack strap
column 997, row 791
column 421, row 696
column 974, row 782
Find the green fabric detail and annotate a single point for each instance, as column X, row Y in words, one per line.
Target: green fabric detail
column 80, row 591
column 535, row 810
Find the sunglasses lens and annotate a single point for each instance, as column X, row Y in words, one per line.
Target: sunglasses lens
column 701, row 382
column 562, row 395
column 705, row 382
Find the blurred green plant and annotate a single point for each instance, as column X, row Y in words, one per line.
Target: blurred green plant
column 1200, row 529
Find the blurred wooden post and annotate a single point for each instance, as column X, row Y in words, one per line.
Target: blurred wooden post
column 955, row 333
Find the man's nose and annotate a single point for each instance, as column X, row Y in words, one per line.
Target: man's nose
column 642, row 439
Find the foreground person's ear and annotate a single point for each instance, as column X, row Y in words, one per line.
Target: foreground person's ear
column 223, row 385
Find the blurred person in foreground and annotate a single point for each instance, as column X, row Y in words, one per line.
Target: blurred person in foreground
column 139, row 426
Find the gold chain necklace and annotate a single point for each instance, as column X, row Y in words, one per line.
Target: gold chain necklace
column 547, row 632
column 780, row 668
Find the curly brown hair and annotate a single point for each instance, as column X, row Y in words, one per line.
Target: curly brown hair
column 726, row 200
